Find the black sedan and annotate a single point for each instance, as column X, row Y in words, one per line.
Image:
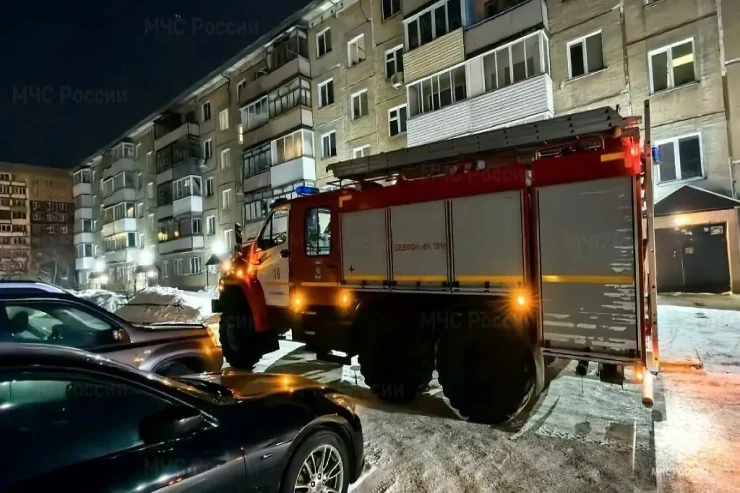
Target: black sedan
column 72, row 419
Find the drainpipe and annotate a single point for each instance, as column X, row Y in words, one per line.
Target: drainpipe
column 725, row 95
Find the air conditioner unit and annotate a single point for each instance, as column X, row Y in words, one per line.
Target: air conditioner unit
column 397, row 79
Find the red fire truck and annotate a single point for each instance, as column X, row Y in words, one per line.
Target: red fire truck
column 482, row 257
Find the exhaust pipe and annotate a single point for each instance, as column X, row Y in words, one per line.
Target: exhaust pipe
column 582, row 368
column 647, row 389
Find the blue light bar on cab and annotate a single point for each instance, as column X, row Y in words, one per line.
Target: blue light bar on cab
column 304, row 190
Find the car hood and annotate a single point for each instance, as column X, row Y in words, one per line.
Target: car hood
column 148, row 332
column 245, row 385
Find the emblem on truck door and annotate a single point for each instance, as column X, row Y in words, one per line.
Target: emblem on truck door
column 318, row 272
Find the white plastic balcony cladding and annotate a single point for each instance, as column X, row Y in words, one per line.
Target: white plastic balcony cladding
column 492, row 109
column 82, row 189
column 187, row 205
column 125, row 225
column 181, row 244
column 83, row 238
column 84, row 263
column 257, row 182
column 303, row 168
column 83, row 213
column 122, row 256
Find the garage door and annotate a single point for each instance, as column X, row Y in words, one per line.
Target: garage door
column 693, row 259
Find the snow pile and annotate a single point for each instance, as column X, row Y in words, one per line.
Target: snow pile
column 106, row 299
column 709, row 335
column 168, row 305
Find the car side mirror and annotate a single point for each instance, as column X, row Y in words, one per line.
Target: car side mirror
column 121, row 336
column 171, row 424
column 284, row 253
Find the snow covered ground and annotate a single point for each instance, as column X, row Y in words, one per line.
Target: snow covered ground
column 163, row 305
column 107, row 299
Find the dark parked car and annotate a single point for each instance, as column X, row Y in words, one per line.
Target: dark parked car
column 72, row 419
column 39, row 312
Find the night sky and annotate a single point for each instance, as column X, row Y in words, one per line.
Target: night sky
column 75, row 75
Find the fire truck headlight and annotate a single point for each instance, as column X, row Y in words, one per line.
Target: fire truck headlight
column 345, row 298
column 239, row 273
column 520, row 300
column 226, row 266
column 297, row 303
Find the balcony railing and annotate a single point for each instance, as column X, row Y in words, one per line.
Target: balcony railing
column 504, row 19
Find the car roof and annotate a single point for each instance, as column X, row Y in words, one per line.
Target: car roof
column 13, row 353
column 14, row 288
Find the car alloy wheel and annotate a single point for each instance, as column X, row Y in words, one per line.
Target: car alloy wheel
column 321, row 472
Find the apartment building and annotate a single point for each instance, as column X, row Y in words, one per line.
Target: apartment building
column 674, row 54
column 36, row 219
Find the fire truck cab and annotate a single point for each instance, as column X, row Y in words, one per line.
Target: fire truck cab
column 481, row 257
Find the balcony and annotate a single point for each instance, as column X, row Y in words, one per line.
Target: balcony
column 186, row 167
column 183, row 130
column 271, row 80
column 300, row 116
column 120, row 158
column 490, row 29
column 184, row 244
column 529, row 98
column 303, row 168
column 125, row 256
column 187, row 205
column 127, row 194
column 125, row 225
column 435, row 56
column 83, row 213
column 84, row 263
column 82, row 189
column 257, row 182
column 84, row 237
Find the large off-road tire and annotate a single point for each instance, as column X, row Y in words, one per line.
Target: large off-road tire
column 321, row 461
column 237, row 332
column 487, row 373
column 396, row 352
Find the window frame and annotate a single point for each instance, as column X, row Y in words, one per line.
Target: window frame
column 207, row 149
column 415, row 19
column 358, row 95
column 223, row 119
column 668, row 49
column 226, row 193
column 350, row 43
column 322, row 85
column 210, row 187
column 397, row 109
column 210, row 231
column 392, row 14
column 225, row 152
column 394, row 52
column 306, row 223
column 364, row 151
column 324, row 155
column 205, row 113
column 327, row 46
column 582, row 41
column 677, row 154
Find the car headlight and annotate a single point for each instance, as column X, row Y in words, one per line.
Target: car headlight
column 342, row 400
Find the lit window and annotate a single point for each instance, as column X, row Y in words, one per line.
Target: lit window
column 356, row 50
column 672, row 66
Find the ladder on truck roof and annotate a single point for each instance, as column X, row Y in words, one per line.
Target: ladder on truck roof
column 518, row 137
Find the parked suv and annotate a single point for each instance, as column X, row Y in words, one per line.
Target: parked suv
column 38, row 312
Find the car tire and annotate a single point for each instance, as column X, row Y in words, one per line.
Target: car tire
column 237, row 333
column 299, row 468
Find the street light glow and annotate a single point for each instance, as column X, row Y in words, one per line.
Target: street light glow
column 146, row 258
column 99, row 265
column 219, row 248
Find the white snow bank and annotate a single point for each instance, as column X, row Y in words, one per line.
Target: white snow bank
column 168, row 305
column 106, row 299
column 713, row 336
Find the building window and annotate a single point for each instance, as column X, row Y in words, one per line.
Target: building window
column 190, row 186
column 197, row 227
column 226, row 200
column 256, row 160
column 178, row 267
column 318, row 232
column 254, row 210
column 223, row 119
column 326, row 93
column 240, row 89
column 139, row 180
column 208, row 149
column 585, row 55
column 150, row 190
column 356, row 50
column 359, row 104
column 211, row 225
column 225, row 158
column 397, row 120
column 438, row 91
column 206, row 111
column 195, row 265
column 209, row 187
column 515, row 62
column 87, row 226
column 258, row 113
column 393, row 61
column 361, row 151
column 329, row 145
column 293, row 146
column 323, row 42
column 141, row 241
column 432, row 23
column 390, row 8
column 240, row 133
column 140, row 209
column 681, row 158
column 151, row 222
column 672, row 66
column 166, row 268
column 229, row 238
